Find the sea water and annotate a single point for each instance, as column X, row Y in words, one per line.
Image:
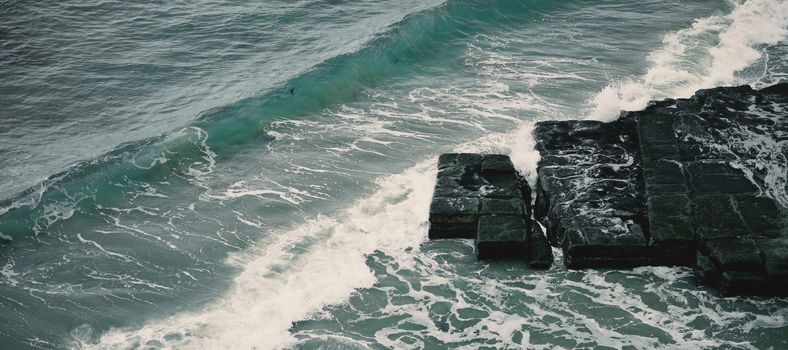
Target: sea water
column 257, row 175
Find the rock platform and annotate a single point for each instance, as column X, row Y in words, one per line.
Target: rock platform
column 700, row 182
column 696, row 182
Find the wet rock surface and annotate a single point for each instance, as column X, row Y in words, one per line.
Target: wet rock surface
column 484, row 198
column 698, row 182
column 590, row 192
column 540, row 253
column 502, row 236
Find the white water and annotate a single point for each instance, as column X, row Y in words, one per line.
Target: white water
column 710, row 53
column 295, row 273
column 291, row 275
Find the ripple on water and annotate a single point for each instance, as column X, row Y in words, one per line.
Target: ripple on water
column 438, row 295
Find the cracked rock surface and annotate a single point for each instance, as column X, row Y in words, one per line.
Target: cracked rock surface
column 698, row 182
column 483, row 197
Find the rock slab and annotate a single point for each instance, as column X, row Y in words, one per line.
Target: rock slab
column 590, row 192
column 483, row 197
column 699, row 182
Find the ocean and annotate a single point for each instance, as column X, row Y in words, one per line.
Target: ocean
column 222, row 174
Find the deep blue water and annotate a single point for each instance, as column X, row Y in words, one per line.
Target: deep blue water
column 214, row 174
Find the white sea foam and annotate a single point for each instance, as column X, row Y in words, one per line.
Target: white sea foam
column 293, row 274
column 709, row 53
column 524, row 154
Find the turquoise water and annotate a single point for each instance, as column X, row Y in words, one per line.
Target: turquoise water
column 257, row 175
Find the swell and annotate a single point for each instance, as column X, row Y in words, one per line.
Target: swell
column 404, row 49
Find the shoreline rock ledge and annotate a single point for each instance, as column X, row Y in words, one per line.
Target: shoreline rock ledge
column 699, row 182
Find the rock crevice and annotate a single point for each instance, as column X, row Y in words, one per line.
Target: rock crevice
column 483, row 197
column 700, row 182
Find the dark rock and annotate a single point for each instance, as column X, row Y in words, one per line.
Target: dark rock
column 494, row 206
column 589, row 172
column 451, row 184
column 762, row 215
column 775, row 253
column 469, row 185
column 718, row 217
column 697, row 181
column 653, row 152
column 669, row 218
column 502, row 236
column 502, row 186
column 718, row 177
column 735, row 254
column 539, row 250
column 705, row 270
column 657, row 131
column 671, row 231
column 460, row 160
column 454, row 217
column 483, row 197
column 777, row 89
column 664, row 176
column 496, row 164
column 742, row 283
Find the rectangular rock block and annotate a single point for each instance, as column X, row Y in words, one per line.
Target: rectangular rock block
column 617, row 234
column 561, row 135
column 539, row 250
column 496, row 164
column 674, row 254
column 656, row 129
column 672, row 242
column 716, row 217
column 718, row 177
column 742, row 283
column 669, row 205
column 762, row 215
column 502, row 186
column 590, row 192
column 676, row 197
column 664, row 176
column 670, row 220
column 454, row 217
column 705, row 270
column 735, row 254
column 657, row 189
column 606, row 256
column 775, row 254
column 561, row 172
column 614, row 246
column 502, row 236
column 495, row 206
column 447, row 160
column 470, row 185
column 449, row 186
column 652, row 152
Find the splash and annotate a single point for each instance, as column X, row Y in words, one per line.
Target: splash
column 712, row 52
column 292, row 275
